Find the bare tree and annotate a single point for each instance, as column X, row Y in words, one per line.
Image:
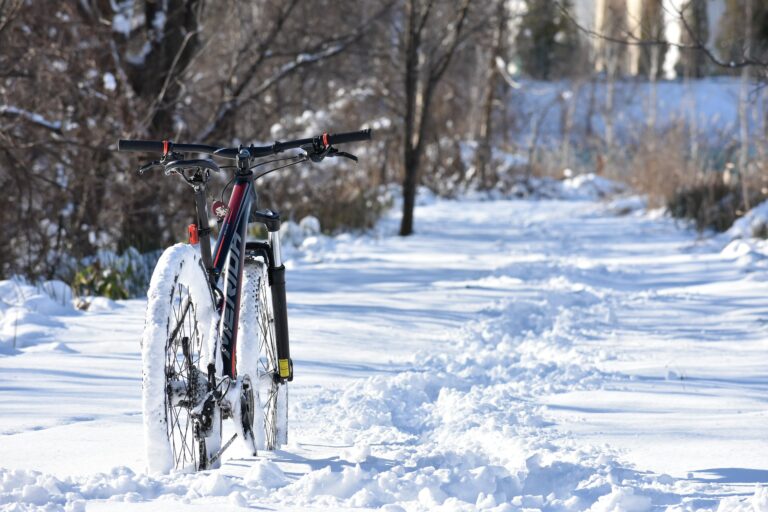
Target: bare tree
column 230, row 71
column 485, row 133
column 743, row 105
column 423, row 73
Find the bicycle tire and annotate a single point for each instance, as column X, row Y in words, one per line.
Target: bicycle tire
column 178, row 340
column 258, row 357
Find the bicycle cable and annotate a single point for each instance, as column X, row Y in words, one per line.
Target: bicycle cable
column 283, row 159
column 300, row 159
column 224, row 190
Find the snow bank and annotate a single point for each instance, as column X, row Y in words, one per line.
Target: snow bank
column 752, row 225
column 583, row 187
column 745, row 242
column 304, row 241
column 27, row 312
column 590, row 187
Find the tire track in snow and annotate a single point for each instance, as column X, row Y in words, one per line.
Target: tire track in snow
column 463, row 430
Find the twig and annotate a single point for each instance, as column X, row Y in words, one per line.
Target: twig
column 632, row 40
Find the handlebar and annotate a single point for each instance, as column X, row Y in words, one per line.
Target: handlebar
column 166, row 146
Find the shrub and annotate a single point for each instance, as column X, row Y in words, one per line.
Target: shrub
column 710, row 204
column 93, row 280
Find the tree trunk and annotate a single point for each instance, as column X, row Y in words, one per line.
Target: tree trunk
column 743, row 114
column 483, row 157
column 410, row 160
column 415, row 125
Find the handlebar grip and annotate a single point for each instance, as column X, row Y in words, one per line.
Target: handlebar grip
column 144, row 146
column 341, row 138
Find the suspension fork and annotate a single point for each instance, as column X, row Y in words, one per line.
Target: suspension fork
column 279, row 305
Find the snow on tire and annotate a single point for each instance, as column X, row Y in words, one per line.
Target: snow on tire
column 258, row 358
column 180, row 305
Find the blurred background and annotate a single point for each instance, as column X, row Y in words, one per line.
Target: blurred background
column 465, row 97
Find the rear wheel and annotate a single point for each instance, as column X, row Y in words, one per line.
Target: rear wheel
column 258, row 358
column 182, row 422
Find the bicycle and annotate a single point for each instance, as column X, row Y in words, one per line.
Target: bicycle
column 201, row 302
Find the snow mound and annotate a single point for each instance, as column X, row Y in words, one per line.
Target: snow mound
column 55, row 346
column 584, row 187
column 27, row 312
column 628, row 205
column 590, row 187
column 745, row 242
column 754, row 224
column 101, row 304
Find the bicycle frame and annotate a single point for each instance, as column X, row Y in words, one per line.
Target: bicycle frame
column 228, row 257
column 225, row 264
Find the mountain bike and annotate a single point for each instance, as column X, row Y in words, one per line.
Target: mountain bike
column 215, row 342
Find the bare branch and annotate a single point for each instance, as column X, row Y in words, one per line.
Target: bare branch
column 632, row 40
column 169, row 76
column 701, row 46
column 441, row 64
column 262, row 50
column 31, row 117
column 302, row 60
column 425, row 16
column 8, row 10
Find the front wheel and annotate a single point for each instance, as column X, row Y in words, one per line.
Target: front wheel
column 182, row 423
column 258, row 357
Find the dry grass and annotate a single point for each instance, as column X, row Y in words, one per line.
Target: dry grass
column 702, row 187
column 700, row 184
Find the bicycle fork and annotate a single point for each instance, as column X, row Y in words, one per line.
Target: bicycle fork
column 279, row 308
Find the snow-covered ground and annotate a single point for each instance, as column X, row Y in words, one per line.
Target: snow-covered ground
column 511, row 355
column 709, row 107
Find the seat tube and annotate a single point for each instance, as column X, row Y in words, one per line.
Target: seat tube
column 203, row 228
column 279, row 308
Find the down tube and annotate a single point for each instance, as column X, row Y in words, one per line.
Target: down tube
column 230, row 246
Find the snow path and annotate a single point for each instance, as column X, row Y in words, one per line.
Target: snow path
column 540, row 355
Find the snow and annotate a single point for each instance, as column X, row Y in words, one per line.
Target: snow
column 179, row 266
column 745, row 242
column 110, row 82
column 33, row 117
column 121, row 24
column 565, row 354
column 753, row 224
column 590, row 186
column 28, row 313
column 708, row 105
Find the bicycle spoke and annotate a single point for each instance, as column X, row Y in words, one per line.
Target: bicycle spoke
column 182, row 358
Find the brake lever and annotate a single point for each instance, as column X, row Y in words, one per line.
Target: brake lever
column 344, row 154
column 144, row 168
